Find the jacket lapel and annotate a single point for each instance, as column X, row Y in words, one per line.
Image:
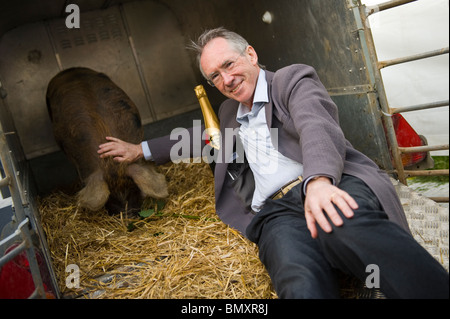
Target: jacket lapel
column 227, row 119
column 269, row 106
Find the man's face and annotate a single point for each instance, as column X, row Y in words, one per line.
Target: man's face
column 234, row 73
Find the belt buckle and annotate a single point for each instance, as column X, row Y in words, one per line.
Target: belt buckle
column 286, row 188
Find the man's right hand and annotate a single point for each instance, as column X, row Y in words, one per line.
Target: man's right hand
column 120, row 151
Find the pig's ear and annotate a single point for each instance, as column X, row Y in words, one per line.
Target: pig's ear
column 96, row 192
column 150, row 182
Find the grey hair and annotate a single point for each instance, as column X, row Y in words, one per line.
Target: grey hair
column 236, row 41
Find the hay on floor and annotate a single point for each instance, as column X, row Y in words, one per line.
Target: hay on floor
column 181, row 251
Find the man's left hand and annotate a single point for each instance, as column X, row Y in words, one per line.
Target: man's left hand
column 320, row 197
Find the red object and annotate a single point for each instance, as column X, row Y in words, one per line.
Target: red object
column 16, row 281
column 407, row 137
column 207, row 139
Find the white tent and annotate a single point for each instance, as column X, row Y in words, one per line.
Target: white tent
column 414, row 28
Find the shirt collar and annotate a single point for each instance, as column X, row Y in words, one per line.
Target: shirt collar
column 261, row 96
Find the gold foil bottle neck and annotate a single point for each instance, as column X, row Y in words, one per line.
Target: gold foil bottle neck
column 212, row 126
column 200, row 92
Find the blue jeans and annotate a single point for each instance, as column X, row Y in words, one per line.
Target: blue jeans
column 303, row 267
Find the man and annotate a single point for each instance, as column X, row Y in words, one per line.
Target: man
column 344, row 214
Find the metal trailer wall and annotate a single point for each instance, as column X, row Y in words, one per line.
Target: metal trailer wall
column 141, row 45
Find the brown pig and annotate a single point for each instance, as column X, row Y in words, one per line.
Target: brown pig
column 85, row 106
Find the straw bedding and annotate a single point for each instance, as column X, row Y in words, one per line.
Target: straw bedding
column 182, row 250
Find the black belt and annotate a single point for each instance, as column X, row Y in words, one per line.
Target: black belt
column 286, row 188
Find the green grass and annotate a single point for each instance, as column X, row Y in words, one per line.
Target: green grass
column 440, row 162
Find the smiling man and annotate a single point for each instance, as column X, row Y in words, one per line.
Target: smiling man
column 324, row 206
column 234, row 73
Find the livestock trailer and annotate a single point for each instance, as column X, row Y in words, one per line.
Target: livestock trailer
column 142, row 46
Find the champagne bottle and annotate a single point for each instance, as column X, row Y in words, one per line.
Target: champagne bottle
column 212, row 126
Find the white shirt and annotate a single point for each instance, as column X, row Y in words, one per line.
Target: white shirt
column 270, row 168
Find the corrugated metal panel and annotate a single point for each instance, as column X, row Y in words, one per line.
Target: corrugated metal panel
column 140, row 46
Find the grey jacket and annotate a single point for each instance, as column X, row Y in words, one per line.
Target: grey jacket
column 308, row 131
